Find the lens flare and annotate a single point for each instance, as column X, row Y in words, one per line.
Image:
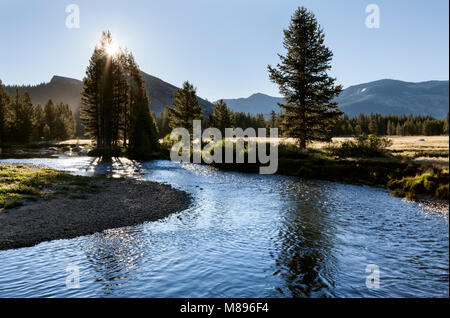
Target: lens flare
column 112, row 48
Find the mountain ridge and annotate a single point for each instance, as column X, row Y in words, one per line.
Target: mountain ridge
column 385, row 96
column 68, row 90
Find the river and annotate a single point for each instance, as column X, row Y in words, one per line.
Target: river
column 245, row 235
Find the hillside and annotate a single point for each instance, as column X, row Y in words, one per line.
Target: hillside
column 383, row 97
column 396, row 97
column 68, row 90
column 256, row 103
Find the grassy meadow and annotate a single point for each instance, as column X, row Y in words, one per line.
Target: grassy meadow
column 21, row 183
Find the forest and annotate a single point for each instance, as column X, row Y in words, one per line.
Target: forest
column 22, row 122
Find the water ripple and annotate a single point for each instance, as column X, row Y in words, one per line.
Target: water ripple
column 245, row 236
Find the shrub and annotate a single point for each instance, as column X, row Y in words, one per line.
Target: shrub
column 364, row 146
column 442, row 192
column 410, row 187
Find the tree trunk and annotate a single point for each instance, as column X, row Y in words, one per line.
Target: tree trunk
column 302, row 143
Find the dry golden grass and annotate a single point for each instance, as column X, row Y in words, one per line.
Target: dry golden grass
column 81, row 142
column 405, row 143
column 432, row 150
column 416, row 143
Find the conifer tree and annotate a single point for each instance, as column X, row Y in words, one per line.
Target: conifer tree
column 4, row 103
column 302, row 77
column 373, row 126
column 221, row 117
column 21, row 117
column 186, row 108
column 273, row 119
column 163, row 122
column 143, row 130
column 26, row 117
column 64, row 122
column 12, row 116
column 50, row 117
column 39, row 123
column 90, row 112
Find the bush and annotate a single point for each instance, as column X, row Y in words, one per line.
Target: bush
column 364, row 146
column 442, row 192
column 412, row 186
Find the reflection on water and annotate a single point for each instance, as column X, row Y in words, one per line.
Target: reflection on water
column 114, row 255
column 305, row 243
column 244, row 236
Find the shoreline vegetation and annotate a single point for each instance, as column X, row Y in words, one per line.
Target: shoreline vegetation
column 415, row 168
column 366, row 160
column 405, row 177
column 40, row 204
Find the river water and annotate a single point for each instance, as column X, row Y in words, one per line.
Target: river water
column 245, row 235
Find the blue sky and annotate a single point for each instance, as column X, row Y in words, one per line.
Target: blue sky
column 223, row 46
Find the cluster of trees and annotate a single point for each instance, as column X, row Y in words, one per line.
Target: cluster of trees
column 115, row 106
column 391, row 125
column 21, row 122
column 58, row 89
column 222, row 117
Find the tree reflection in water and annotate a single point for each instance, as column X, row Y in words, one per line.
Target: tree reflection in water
column 305, row 258
column 115, row 255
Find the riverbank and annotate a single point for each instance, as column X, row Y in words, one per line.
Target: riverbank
column 53, row 205
column 412, row 170
column 403, row 175
column 413, row 167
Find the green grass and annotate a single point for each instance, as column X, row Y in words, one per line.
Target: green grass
column 429, row 183
column 21, row 182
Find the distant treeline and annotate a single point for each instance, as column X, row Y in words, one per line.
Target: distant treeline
column 391, row 125
column 21, row 122
column 388, row 125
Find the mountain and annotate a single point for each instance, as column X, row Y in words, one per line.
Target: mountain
column 383, row 97
column 161, row 95
column 59, row 89
column 396, row 97
column 256, row 103
column 68, row 90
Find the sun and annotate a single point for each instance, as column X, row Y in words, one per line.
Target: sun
column 112, row 48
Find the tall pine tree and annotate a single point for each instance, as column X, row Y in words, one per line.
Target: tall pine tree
column 186, row 108
column 304, row 83
column 39, row 123
column 143, row 131
column 25, row 118
column 221, row 117
column 4, row 102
